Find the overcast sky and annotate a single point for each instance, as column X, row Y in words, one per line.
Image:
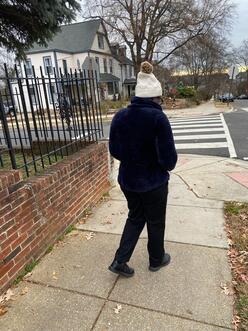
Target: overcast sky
column 240, row 26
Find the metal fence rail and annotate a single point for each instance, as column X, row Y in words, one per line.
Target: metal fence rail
column 44, row 117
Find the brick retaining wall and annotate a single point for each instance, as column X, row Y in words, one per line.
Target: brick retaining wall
column 34, row 212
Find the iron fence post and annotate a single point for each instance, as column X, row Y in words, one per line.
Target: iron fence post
column 7, row 134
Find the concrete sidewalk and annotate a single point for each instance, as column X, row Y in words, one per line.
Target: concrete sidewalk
column 71, row 288
column 206, row 108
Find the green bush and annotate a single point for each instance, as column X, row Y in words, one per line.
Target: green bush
column 186, row 91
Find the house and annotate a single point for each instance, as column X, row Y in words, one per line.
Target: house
column 83, row 46
column 126, row 69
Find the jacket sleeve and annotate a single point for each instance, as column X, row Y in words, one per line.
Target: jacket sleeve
column 113, row 141
column 165, row 146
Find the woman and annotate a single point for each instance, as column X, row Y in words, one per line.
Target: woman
column 141, row 138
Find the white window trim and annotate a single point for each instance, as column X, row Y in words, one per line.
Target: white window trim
column 45, row 67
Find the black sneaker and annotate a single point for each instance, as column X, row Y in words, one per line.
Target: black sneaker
column 121, row 269
column 165, row 262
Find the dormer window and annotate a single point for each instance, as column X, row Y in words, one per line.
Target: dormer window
column 100, row 41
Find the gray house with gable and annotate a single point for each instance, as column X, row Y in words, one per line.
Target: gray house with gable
column 85, row 46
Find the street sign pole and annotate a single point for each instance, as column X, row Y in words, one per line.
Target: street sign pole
column 230, row 87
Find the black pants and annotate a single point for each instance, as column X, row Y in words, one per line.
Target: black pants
column 150, row 208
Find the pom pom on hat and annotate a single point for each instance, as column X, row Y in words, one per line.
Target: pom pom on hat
column 146, row 67
column 147, row 84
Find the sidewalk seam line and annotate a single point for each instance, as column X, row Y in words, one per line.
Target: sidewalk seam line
column 178, row 205
column 175, row 172
column 169, row 314
column 117, row 301
column 104, row 304
column 168, row 241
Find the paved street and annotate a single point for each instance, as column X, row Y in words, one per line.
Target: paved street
column 206, row 135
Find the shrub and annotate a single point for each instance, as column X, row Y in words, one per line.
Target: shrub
column 187, row 91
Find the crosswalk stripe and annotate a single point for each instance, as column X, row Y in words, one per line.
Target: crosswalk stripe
column 195, row 119
column 231, row 148
column 194, row 122
column 200, row 133
column 200, row 136
column 202, row 145
column 197, row 125
column 198, row 130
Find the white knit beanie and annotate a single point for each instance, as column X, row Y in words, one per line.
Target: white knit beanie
column 147, row 84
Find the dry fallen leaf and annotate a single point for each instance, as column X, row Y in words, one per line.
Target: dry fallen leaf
column 235, row 322
column 54, row 276
column 7, row 296
column 28, row 275
column 24, row 290
column 108, row 221
column 226, row 290
column 90, row 235
column 83, row 221
column 117, row 309
column 3, row 310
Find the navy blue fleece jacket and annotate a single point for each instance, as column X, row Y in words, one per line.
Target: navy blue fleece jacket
column 141, row 138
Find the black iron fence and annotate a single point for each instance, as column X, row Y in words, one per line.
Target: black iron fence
column 46, row 116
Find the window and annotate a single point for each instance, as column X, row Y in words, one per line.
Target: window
column 105, row 65
column 78, row 64
column 65, row 67
column 111, row 66
column 51, row 92
column 130, row 71
column 48, row 65
column 125, row 71
column 97, row 61
column 33, row 95
column 29, row 68
column 100, row 41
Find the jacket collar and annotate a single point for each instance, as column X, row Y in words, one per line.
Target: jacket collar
column 144, row 102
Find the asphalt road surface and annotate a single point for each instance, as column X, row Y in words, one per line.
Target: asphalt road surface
column 237, row 123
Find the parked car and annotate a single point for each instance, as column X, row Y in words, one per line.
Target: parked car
column 242, row 97
column 226, row 97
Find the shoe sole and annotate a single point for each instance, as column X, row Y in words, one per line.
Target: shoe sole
column 159, row 267
column 120, row 273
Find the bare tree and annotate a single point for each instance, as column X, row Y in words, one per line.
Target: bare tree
column 7, row 58
column 240, row 55
column 202, row 58
column 158, row 27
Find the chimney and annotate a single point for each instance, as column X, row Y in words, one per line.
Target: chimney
column 122, row 51
column 115, row 48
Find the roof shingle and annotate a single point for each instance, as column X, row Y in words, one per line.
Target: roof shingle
column 72, row 38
